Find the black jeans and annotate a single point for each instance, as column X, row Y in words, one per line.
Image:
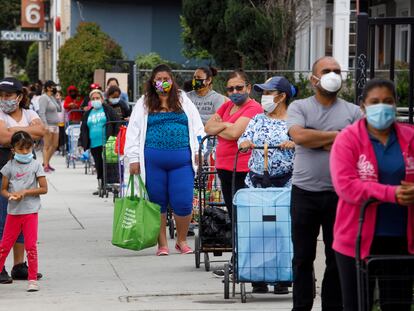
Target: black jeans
column 97, row 156
column 310, row 211
column 396, row 290
column 226, row 183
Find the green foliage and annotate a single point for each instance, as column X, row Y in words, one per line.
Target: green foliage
column 151, row 60
column 9, row 20
column 402, row 83
column 192, row 50
column 88, row 50
column 32, row 62
column 240, row 33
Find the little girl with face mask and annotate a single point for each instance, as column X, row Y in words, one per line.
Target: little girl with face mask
column 22, row 184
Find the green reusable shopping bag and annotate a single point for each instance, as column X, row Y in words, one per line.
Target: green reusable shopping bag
column 110, row 155
column 136, row 220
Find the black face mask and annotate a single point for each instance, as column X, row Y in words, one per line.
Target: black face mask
column 73, row 95
column 54, row 90
column 198, row 84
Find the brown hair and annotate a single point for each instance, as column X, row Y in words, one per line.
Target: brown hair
column 152, row 100
column 239, row 73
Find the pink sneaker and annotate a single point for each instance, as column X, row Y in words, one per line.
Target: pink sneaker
column 51, row 168
column 183, row 249
column 163, row 251
column 46, row 169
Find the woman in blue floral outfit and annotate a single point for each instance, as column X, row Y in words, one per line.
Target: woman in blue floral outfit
column 271, row 128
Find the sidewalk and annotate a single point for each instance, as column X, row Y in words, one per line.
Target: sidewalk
column 83, row 271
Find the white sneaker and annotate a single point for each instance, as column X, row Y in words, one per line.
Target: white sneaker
column 33, row 286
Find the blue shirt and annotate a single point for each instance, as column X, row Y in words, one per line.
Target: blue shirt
column 391, row 218
column 96, row 124
column 167, row 130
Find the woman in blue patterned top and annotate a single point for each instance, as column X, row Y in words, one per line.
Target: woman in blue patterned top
column 161, row 145
column 270, row 127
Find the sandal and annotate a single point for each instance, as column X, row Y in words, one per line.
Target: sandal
column 183, row 250
column 163, row 251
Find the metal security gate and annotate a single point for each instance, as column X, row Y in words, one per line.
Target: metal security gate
column 367, row 30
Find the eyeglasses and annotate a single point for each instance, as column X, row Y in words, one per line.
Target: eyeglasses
column 238, row 88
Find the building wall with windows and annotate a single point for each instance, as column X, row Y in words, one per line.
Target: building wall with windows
column 331, row 30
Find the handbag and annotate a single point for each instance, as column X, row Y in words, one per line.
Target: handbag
column 137, row 221
column 110, row 155
column 265, row 180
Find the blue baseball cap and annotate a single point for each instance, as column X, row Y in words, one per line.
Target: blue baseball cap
column 277, row 83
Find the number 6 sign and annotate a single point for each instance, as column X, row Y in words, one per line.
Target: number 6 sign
column 32, row 14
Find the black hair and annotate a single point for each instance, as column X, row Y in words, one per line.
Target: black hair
column 187, row 86
column 112, row 79
column 210, row 72
column 239, row 73
column 22, row 139
column 113, row 89
column 378, row 83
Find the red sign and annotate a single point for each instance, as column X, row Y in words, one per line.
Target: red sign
column 33, row 14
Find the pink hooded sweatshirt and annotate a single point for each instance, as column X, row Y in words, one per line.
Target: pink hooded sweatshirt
column 354, row 172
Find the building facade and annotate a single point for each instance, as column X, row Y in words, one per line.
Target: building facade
column 330, row 29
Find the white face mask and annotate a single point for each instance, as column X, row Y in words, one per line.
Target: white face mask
column 268, row 103
column 331, row 82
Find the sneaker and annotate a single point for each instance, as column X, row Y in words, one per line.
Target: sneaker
column 95, row 193
column 21, row 272
column 281, row 289
column 33, row 286
column 51, row 168
column 260, row 288
column 47, row 169
column 5, row 277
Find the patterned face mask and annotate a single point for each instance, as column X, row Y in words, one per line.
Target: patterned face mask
column 163, row 87
column 9, row 106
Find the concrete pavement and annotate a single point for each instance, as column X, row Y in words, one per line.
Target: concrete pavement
column 83, row 271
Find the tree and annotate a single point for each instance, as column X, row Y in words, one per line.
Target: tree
column 88, row 50
column 10, row 20
column 32, row 62
column 244, row 33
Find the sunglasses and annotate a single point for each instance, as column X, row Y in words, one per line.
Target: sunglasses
column 238, row 88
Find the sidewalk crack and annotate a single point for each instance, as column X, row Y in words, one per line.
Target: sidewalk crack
column 117, row 275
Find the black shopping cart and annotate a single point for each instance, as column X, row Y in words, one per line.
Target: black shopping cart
column 113, row 164
column 214, row 224
column 261, row 227
column 378, row 286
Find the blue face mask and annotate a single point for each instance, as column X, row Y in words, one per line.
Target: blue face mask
column 380, row 116
column 239, row 98
column 97, row 104
column 23, row 158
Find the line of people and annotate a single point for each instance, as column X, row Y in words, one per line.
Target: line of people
column 322, row 157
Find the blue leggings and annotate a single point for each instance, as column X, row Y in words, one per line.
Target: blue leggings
column 170, row 179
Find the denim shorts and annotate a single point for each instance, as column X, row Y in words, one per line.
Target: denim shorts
column 3, row 214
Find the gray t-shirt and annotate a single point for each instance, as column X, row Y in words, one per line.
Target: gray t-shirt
column 311, row 166
column 48, row 110
column 23, row 176
column 207, row 105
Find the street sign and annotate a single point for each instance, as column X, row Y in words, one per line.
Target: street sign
column 33, row 14
column 9, row 35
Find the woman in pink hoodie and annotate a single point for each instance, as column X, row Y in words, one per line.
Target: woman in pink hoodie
column 374, row 158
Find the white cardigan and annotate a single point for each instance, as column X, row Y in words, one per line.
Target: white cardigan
column 137, row 129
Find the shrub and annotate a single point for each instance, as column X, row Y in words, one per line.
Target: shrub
column 88, row 50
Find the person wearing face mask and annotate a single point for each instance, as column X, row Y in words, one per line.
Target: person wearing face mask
column 115, row 101
column 49, row 110
column 203, row 96
column 229, row 123
column 374, row 158
column 95, row 131
column 162, row 146
column 270, row 127
column 114, row 82
column 14, row 118
column 73, row 101
column 313, row 124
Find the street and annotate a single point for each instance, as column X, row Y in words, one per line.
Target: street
column 83, row 271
